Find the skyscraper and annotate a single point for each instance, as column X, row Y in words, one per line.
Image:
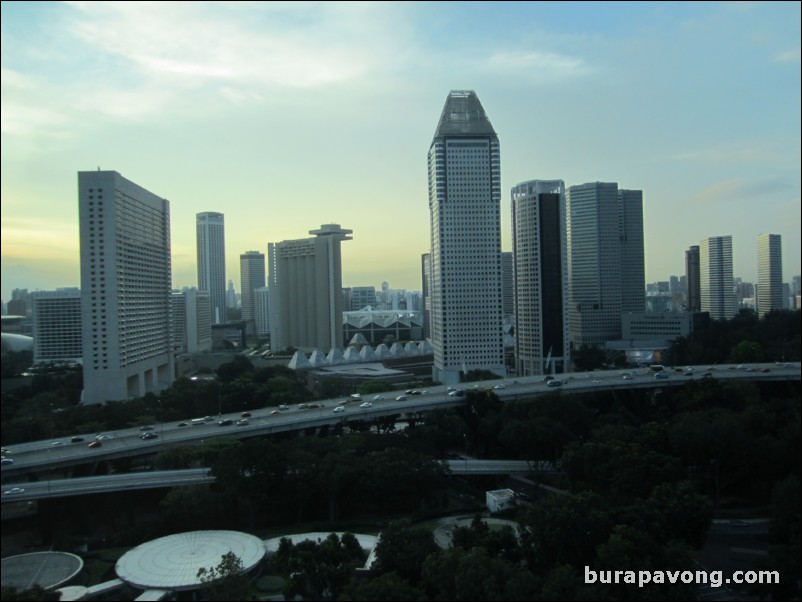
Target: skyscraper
column 211, row 242
column 539, row 258
column 464, row 207
column 507, row 287
column 57, row 325
column 605, row 260
column 715, row 277
column 306, row 301
column 252, row 277
column 769, row 273
column 191, row 321
column 694, row 300
column 125, row 288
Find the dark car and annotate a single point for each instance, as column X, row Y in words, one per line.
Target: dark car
column 246, row 414
column 225, row 422
column 77, row 440
column 147, row 436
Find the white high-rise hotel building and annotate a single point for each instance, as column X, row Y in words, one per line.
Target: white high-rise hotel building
column 715, row 277
column 465, row 213
column 305, row 281
column 125, row 288
column 211, row 242
column 769, row 273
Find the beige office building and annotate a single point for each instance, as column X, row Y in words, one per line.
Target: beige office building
column 305, row 281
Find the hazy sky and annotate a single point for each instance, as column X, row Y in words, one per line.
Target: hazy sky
column 284, row 116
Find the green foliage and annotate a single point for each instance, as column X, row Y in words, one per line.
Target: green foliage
column 775, row 337
column 403, row 550
column 588, row 357
column 388, row 586
column 232, row 370
column 226, row 581
column 477, row 375
column 15, row 363
column 318, row 570
column 35, row 593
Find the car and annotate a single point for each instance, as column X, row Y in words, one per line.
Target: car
column 662, row 375
column 366, row 405
column 416, row 392
column 242, row 422
column 77, row 440
column 147, row 427
column 499, row 387
column 347, row 402
column 148, row 436
column 303, row 406
column 457, row 393
column 707, row 375
column 225, row 422
column 246, row 414
column 378, row 397
column 284, row 407
column 95, row 444
column 6, row 462
column 765, row 370
column 313, row 406
column 339, row 409
column 627, row 377
column 555, row 383
column 15, row 491
column 182, row 424
column 275, row 412
column 688, row 373
column 208, row 418
column 55, row 443
column 100, row 437
column 401, row 398
column 409, row 391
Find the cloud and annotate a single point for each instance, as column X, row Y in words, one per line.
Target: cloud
column 738, row 188
column 789, row 56
column 539, row 64
column 732, row 153
column 29, row 238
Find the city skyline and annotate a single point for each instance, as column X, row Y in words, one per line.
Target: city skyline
column 251, row 109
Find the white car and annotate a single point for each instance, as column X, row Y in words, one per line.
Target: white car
column 401, row 398
column 339, row 409
column 14, row 490
column 378, row 397
column 366, row 405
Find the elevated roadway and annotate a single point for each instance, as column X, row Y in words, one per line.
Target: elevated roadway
column 38, row 490
column 50, row 455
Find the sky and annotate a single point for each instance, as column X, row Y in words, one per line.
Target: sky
column 284, row 116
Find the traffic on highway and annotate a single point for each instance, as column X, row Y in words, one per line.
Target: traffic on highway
column 83, row 447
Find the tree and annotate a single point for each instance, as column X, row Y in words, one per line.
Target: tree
column 318, row 570
column 226, row 581
column 588, row 357
column 403, row 550
column 384, row 587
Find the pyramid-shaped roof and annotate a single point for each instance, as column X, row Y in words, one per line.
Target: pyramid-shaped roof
column 463, row 115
